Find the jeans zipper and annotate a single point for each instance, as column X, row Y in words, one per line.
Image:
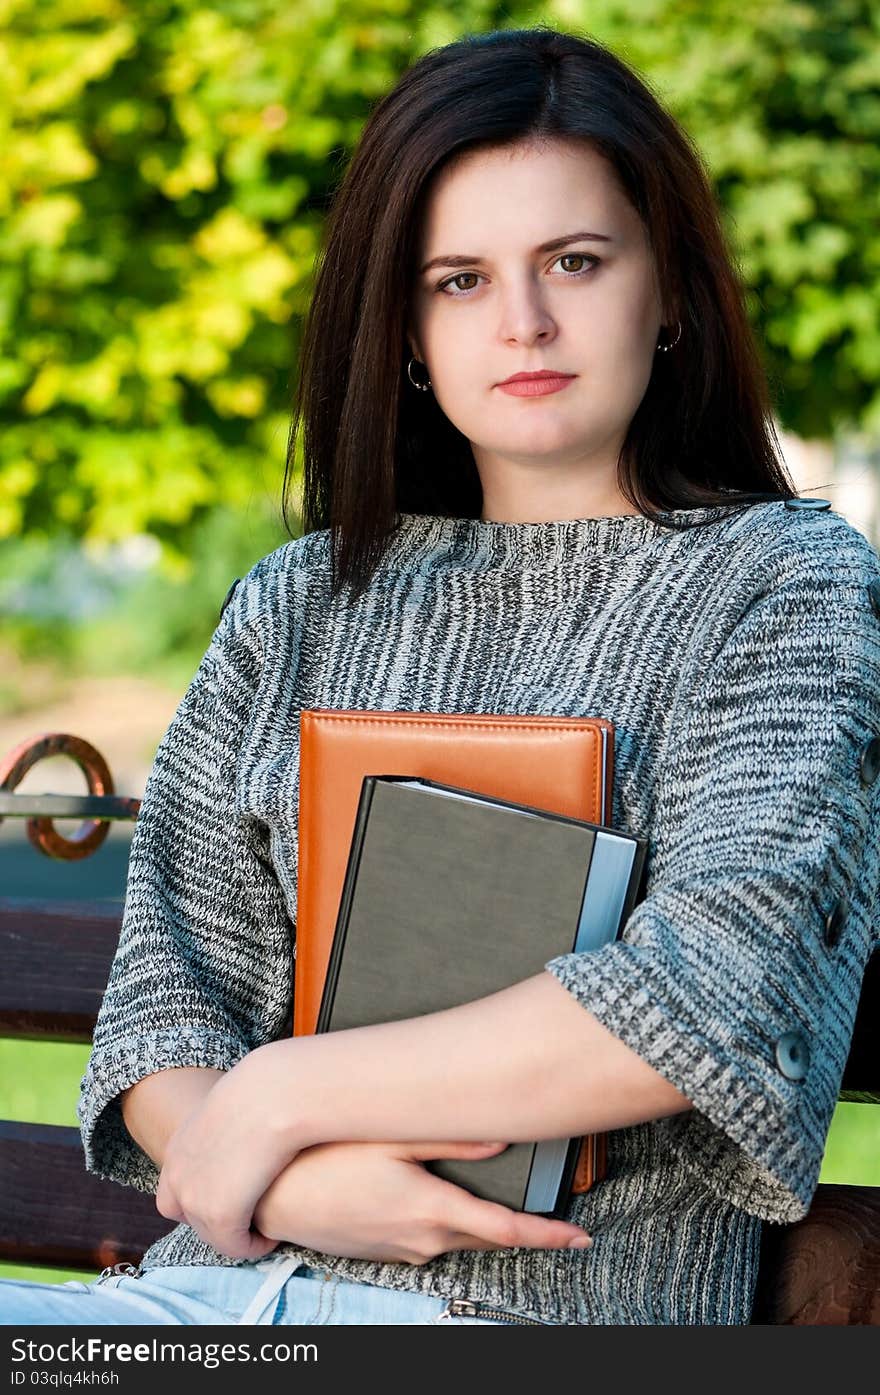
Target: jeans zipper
column 465, row 1307
column 129, row 1269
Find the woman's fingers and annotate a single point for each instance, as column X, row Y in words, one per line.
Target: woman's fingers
column 497, row 1227
column 425, row 1152
column 481, row 1224
column 458, row 1218
column 400, row 1212
column 167, row 1203
column 232, row 1238
column 234, row 1241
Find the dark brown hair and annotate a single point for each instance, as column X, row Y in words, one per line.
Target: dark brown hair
column 372, row 444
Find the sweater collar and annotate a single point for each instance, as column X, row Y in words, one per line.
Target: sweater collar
column 475, row 541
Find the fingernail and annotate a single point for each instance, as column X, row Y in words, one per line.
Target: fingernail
column 580, row 1242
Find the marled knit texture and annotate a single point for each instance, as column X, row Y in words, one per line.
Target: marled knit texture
column 740, row 664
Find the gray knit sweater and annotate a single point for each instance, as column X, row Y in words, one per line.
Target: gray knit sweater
column 740, row 664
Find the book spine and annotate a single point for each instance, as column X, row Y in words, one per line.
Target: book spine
column 331, row 979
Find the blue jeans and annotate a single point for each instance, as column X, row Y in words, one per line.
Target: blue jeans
column 276, row 1291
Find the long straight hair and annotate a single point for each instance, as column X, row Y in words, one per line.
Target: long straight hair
column 372, row 444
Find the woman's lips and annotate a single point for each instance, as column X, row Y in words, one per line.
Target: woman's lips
column 535, row 387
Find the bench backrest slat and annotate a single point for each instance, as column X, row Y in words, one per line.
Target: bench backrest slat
column 56, row 1213
column 56, row 960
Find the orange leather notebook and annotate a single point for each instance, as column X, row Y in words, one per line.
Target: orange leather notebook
column 562, row 764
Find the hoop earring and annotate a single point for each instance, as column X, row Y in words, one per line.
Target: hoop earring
column 664, row 348
column 422, row 387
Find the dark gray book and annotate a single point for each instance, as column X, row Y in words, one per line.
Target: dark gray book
column 450, row 895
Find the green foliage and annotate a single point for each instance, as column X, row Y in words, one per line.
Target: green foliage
column 165, row 174
column 782, row 98
column 162, row 626
column 86, row 614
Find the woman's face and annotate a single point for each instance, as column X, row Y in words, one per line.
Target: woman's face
column 590, row 308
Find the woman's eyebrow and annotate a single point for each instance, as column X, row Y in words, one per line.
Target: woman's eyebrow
column 461, row 259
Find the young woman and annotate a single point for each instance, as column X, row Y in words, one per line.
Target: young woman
column 540, row 476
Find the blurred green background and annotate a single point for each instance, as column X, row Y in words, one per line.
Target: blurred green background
column 165, row 170
column 165, row 173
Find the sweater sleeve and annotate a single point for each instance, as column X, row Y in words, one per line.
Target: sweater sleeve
column 205, row 937
column 728, row 978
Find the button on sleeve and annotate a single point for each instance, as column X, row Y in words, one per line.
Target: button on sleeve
column 793, row 1055
column 869, row 761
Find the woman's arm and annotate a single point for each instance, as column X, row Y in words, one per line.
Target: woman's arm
column 415, row 1079
column 522, row 1064
column 155, row 1106
column 398, row 1213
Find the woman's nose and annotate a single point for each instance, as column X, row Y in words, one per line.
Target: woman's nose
column 525, row 317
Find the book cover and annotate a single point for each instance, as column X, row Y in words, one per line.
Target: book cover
column 450, row 895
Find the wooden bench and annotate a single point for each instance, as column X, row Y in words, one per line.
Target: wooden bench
column 56, row 959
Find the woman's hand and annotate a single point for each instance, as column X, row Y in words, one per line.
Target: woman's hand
column 376, row 1201
column 223, row 1156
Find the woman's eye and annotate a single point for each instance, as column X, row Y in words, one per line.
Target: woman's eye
column 461, row 292
column 579, row 257
column 453, row 280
